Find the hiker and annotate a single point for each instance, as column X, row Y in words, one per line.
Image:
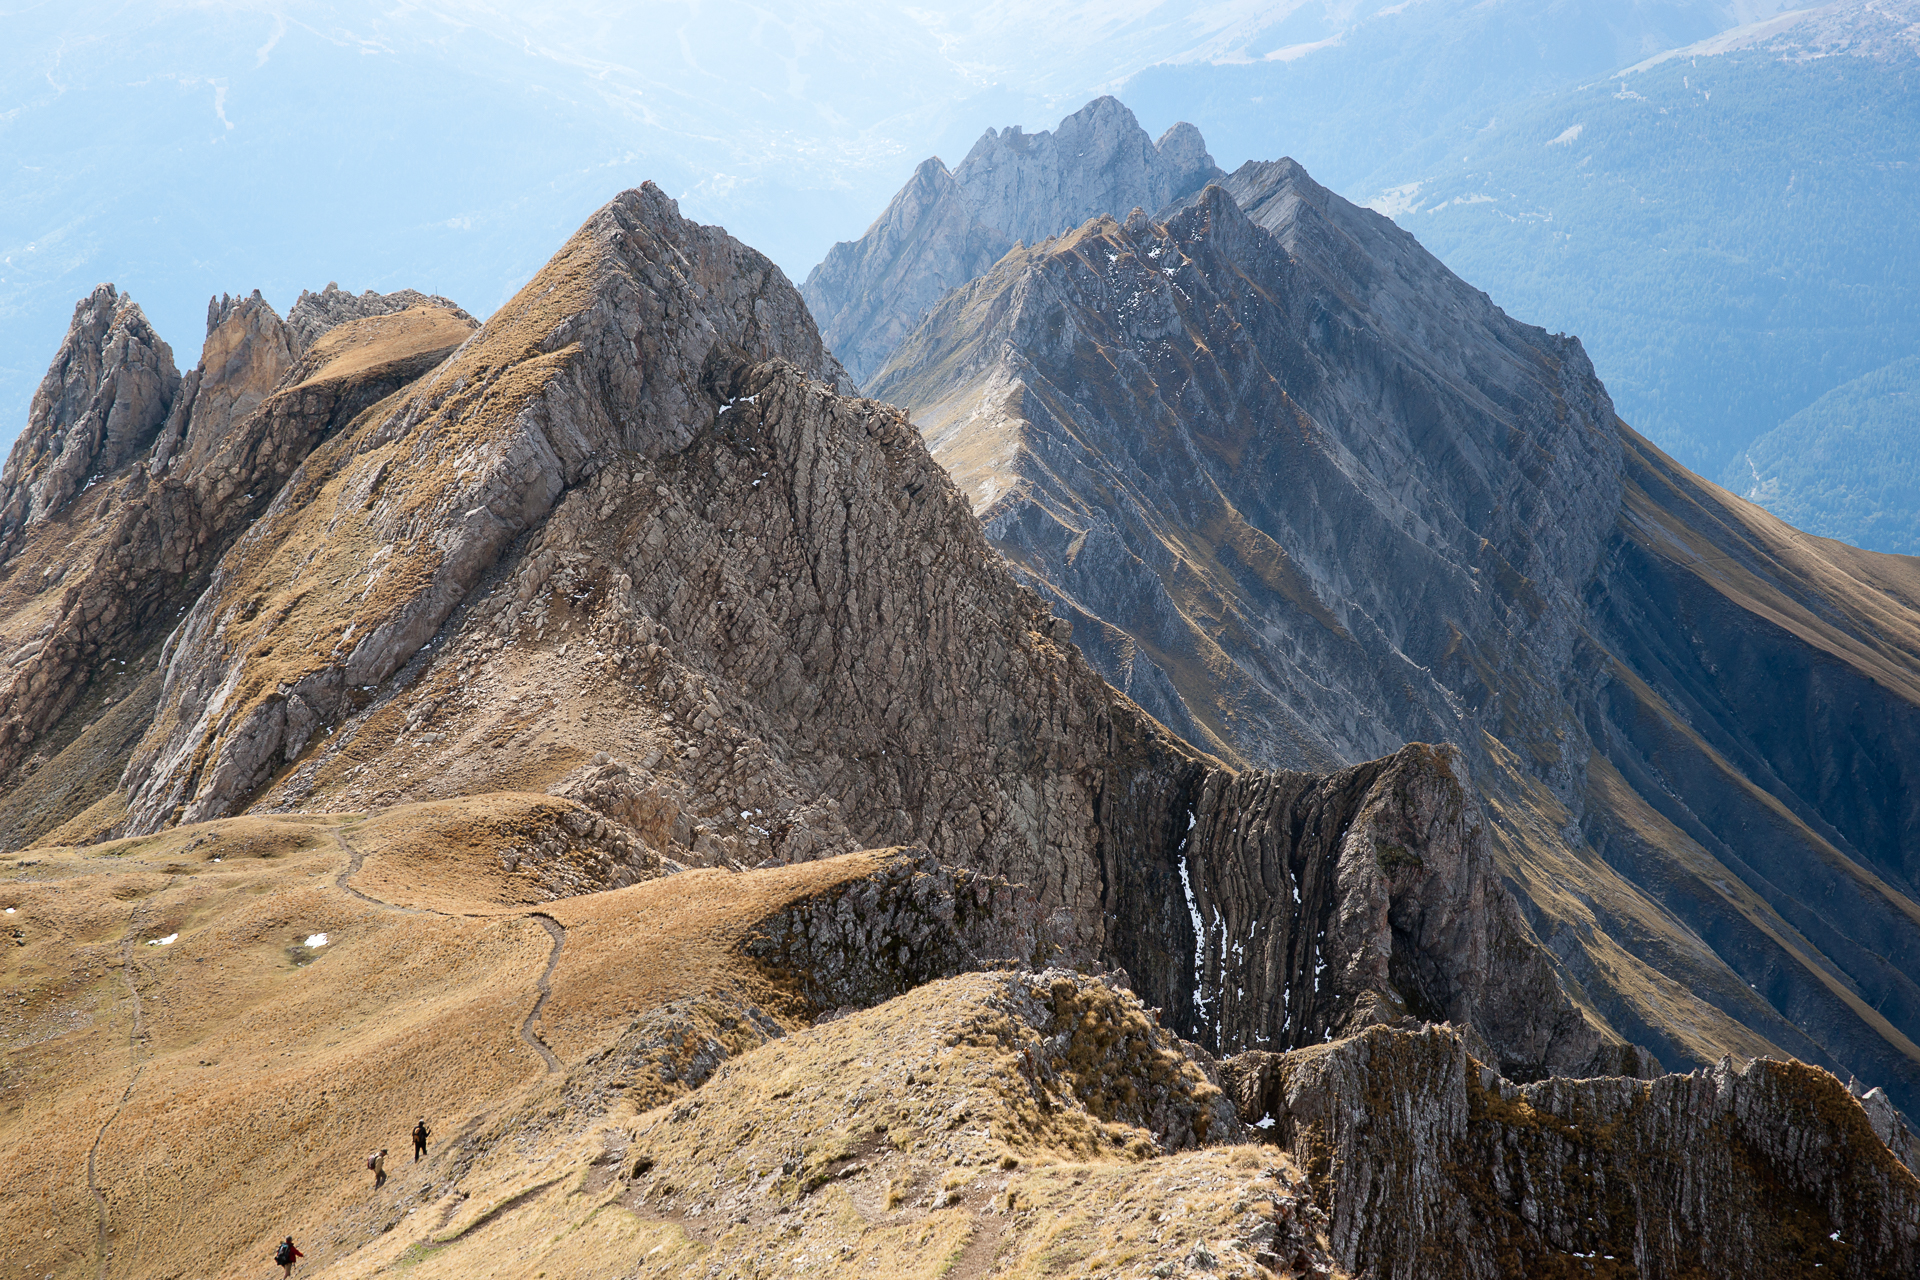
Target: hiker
column 378, row 1163
column 419, row 1141
column 286, row 1254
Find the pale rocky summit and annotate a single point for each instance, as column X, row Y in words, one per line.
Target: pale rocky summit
column 1306, row 496
column 103, row 398
column 943, row 229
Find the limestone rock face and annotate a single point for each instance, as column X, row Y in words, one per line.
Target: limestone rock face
column 313, row 314
column 91, row 591
column 602, row 352
column 1410, row 1142
column 246, row 355
column 943, row 229
column 105, row 395
column 1306, row 497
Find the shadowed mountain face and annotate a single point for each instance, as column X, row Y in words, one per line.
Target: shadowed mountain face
column 943, row 228
column 1306, row 496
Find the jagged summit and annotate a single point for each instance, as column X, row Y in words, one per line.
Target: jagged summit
column 943, row 229
column 103, row 398
column 312, row 314
column 1097, row 160
column 1307, row 496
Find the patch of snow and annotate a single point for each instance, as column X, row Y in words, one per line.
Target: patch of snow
column 1293, row 52
column 1395, row 201
column 163, row 942
column 1264, row 1122
column 316, row 939
column 1199, row 942
column 1569, row 136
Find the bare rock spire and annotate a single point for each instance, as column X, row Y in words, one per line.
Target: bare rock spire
column 104, row 397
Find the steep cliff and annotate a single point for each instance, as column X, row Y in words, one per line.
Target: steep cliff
column 943, row 229
column 1433, row 1166
column 92, row 588
column 1307, row 496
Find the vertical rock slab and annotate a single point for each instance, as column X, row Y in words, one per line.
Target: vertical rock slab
column 104, row 396
column 1433, row 1165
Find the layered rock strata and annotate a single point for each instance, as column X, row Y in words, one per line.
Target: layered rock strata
column 945, row 228
column 1430, row 1164
column 90, row 589
column 1306, row 496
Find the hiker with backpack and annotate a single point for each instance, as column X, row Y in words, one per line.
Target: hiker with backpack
column 286, row 1255
column 378, row 1163
column 419, row 1141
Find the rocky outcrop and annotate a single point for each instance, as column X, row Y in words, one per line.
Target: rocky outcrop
column 944, row 229
column 313, row 314
column 1321, row 904
column 911, row 921
column 604, row 351
column 1306, row 496
column 95, row 588
column 105, row 395
column 1430, row 1164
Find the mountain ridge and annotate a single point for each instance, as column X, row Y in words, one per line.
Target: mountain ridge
column 1054, row 386
column 773, row 877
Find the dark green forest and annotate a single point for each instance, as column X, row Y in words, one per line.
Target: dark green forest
column 1848, row 465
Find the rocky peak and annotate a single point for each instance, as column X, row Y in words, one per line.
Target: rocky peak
column 104, row 396
column 605, row 351
column 1097, row 160
column 247, row 353
column 943, row 229
column 313, row 314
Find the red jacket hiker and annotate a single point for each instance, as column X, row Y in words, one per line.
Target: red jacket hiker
column 287, row 1254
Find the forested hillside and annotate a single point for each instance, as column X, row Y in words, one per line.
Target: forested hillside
column 1848, row 465
column 1731, row 236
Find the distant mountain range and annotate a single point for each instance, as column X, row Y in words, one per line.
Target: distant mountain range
column 1730, row 228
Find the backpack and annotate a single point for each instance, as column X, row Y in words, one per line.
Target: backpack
column 370, row 1160
column 284, row 1254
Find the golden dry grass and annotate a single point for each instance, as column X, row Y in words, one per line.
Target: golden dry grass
column 222, row 1089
